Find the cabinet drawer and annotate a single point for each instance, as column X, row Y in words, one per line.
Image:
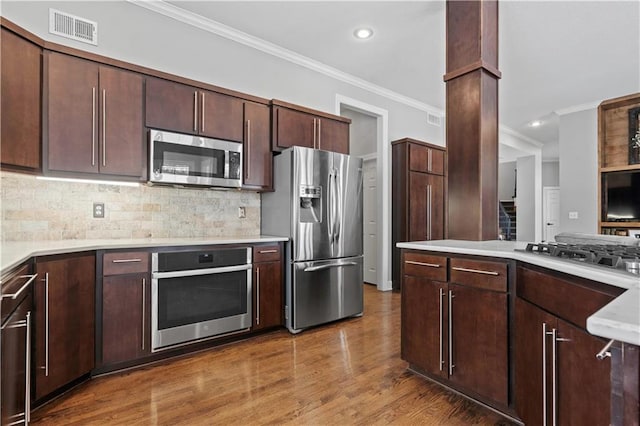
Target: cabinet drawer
column 479, row 273
column 266, row 253
column 425, row 265
column 125, row 263
column 425, row 159
column 569, row 300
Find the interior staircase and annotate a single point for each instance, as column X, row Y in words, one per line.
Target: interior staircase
column 507, row 219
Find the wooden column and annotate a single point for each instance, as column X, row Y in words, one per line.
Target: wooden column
column 472, row 119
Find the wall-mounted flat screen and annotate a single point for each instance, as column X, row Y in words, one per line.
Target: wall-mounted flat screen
column 621, row 201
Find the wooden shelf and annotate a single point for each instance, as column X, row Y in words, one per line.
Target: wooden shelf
column 613, row 151
column 619, row 168
column 620, row 224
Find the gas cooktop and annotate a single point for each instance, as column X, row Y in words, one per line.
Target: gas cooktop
column 622, row 257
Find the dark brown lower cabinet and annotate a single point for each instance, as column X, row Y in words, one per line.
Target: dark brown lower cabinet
column 268, row 311
column 424, row 329
column 457, row 331
column 558, row 378
column 16, row 341
column 125, row 318
column 479, row 341
column 64, row 321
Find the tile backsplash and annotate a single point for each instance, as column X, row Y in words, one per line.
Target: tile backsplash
column 35, row 209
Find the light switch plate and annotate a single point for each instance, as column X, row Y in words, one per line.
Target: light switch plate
column 242, row 212
column 573, row 215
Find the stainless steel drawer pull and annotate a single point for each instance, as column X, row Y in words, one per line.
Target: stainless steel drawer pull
column 430, row 265
column 267, row 251
column 475, row 271
column 605, row 352
column 23, row 288
column 126, row 260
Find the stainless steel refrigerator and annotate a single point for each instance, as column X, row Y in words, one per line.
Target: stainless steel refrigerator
column 317, row 203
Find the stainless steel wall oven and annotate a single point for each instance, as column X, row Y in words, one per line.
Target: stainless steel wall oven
column 199, row 294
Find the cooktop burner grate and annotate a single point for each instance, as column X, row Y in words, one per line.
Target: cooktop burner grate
column 606, row 255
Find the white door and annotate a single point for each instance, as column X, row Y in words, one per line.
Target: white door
column 369, row 222
column 551, row 207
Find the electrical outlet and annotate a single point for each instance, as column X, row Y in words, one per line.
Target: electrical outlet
column 573, row 215
column 242, row 212
column 98, row 210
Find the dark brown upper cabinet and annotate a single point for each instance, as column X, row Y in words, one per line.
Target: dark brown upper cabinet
column 258, row 164
column 21, row 77
column 185, row 109
column 293, row 125
column 93, row 118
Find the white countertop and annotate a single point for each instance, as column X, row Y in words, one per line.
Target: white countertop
column 14, row 253
column 619, row 320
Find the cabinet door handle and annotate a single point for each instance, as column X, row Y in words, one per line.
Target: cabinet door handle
column 319, row 133
column 15, row 295
column 268, row 251
column 451, row 364
column 195, row 111
column 93, row 127
column 475, row 271
column 544, row 373
column 554, row 372
column 27, row 379
column 314, row 133
column 248, row 162
column 441, row 330
column 202, row 113
column 429, row 160
column 144, row 289
column 104, row 125
column 46, row 324
column 430, row 265
column 605, row 352
column 428, row 212
column 126, row 260
column 257, row 296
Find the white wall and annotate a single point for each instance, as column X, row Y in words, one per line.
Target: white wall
column 550, row 173
column 363, row 131
column 525, row 200
column 506, row 180
column 578, row 175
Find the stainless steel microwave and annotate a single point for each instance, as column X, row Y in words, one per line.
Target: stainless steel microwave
column 179, row 159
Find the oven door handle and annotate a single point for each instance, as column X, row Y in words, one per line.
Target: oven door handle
column 196, row 272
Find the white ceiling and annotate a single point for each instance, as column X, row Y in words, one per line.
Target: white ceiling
column 555, row 56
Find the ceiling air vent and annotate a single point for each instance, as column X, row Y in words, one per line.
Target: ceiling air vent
column 73, row 27
column 434, row 120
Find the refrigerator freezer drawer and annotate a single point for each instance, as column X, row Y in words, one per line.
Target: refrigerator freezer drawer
column 326, row 290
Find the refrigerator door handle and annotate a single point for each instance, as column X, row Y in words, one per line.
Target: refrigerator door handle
column 330, row 203
column 332, row 265
column 339, row 212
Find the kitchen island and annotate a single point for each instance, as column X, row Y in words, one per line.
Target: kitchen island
column 561, row 298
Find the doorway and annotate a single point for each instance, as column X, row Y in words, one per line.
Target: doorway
column 372, row 122
column 551, row 211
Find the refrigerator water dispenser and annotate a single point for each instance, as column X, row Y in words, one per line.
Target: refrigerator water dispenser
column 310, row 204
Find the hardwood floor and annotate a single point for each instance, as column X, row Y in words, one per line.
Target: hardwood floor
column 349, row 372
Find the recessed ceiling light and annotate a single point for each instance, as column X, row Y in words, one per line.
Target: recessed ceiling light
column 363, row 33
column 535, row 123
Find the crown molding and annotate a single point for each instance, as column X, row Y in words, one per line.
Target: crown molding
column 577, row 108
column 520, row 136
column 238, row 36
